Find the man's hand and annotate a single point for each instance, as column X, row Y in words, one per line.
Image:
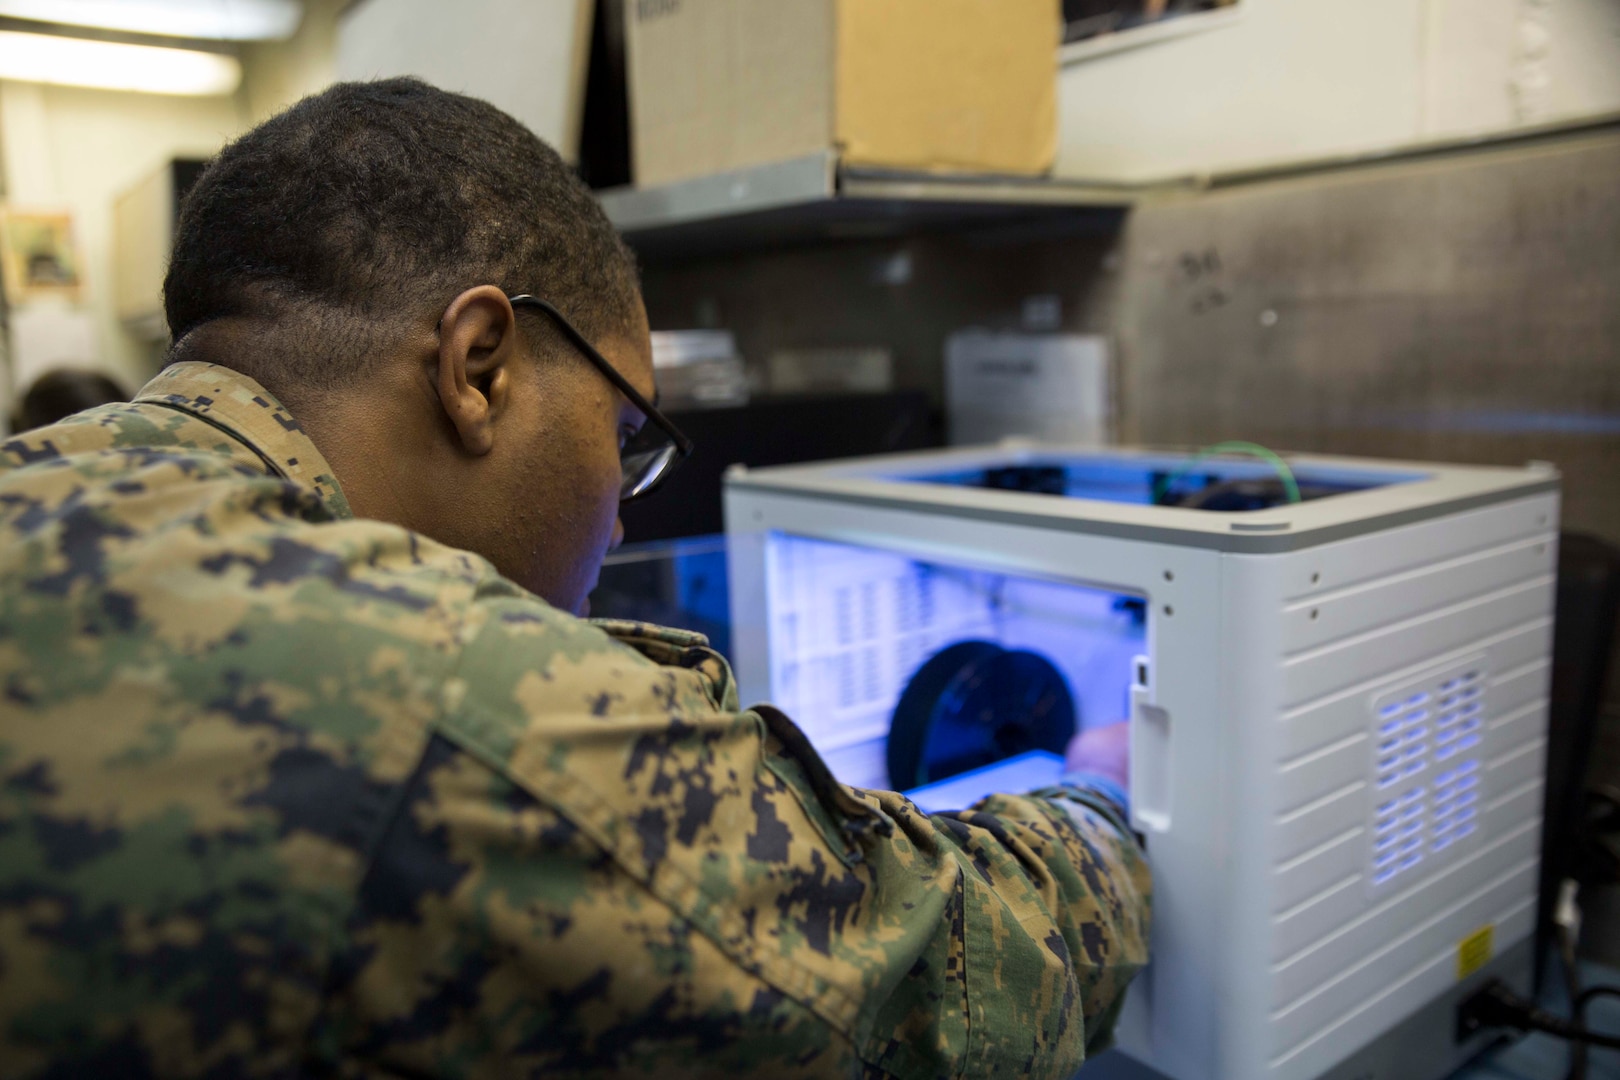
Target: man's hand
column 1105, row 751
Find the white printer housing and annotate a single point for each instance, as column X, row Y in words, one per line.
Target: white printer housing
column 1338, row 709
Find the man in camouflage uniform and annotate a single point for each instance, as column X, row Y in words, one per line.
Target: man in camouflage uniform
column 307, row 768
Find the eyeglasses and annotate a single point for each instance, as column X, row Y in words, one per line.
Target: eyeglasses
column 652, row 453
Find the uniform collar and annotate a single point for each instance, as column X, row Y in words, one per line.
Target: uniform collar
column 249, row 413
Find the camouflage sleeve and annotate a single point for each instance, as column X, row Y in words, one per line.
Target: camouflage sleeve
column 603, row 867
column 1066, row 855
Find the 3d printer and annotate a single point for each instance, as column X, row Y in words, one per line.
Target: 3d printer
column 1335, row 672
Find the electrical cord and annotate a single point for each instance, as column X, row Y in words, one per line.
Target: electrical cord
column 1270, row 457
column 1596, row 992
column 1497, row 1006
column 1566, row 923
column 1577, row 1052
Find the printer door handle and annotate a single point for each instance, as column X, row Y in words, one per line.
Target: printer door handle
column 1150, row 755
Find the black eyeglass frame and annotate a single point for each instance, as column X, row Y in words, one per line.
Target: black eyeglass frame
column 683, row 445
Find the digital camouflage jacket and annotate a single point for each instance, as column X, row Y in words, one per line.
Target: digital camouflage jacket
column 287, row 793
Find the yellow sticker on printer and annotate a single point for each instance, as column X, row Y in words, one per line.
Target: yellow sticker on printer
column 1474, row 951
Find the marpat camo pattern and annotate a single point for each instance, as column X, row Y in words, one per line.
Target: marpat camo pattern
column 286, row 793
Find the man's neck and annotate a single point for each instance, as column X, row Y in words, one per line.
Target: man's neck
column 361, row 433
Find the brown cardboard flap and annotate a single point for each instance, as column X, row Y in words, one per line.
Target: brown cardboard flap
column 962, row 85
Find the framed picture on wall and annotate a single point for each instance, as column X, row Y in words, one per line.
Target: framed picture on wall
column 39, row 255
column 1084, row 20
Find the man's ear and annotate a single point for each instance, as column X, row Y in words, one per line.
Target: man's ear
column 478, row 345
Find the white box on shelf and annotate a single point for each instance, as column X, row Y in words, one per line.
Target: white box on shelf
column 1054, row 387
column 698, row 369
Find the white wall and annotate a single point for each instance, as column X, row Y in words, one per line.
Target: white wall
column 275, row 74
column 64, row 148
column 1497, row 64
column 78, row 150
column 1293, row 80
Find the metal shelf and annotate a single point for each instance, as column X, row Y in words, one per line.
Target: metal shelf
column 816, row 198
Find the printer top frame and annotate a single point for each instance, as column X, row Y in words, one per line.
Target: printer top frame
column 1438, row 489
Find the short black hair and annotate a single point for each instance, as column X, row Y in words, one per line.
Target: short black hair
column 371, row 200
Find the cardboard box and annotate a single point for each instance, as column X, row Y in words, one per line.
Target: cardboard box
column 939, row 85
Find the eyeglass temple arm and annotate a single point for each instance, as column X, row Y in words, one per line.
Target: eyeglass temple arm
column 648, row 409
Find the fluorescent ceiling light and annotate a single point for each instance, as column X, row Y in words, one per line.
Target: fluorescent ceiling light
column 225, row 20
column 113, row 65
